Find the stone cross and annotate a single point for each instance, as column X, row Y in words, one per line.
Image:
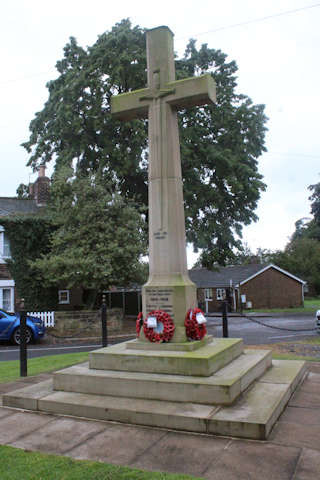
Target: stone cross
column 169, row 287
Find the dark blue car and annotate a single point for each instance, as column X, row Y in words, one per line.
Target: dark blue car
column 10, row 327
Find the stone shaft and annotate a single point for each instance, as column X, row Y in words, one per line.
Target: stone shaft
column 169, row 287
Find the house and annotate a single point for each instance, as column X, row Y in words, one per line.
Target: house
column 247, row 286
column 39, row 192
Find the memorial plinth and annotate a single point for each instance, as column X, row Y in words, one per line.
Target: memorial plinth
column 219, row 388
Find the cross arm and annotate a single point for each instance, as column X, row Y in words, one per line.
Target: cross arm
column 193, row 91
column 130, row 105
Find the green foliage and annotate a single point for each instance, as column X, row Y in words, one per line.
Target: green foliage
column 23, row 191
column 245, row 256
column 98, row 238
column 29, row 237
column 315, row 203
column 219, row 144
column 302, row 258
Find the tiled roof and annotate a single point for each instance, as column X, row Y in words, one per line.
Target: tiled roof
column 204, row 278
column 14, row 206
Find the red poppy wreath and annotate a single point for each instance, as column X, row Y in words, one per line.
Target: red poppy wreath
column 139, row 323
column 194, row 330
column 164, row 329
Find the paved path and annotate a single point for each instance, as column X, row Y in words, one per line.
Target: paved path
column 292, row 451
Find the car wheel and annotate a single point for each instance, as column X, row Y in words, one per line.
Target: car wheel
column 16, row 336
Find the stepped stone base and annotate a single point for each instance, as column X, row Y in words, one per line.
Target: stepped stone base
column 242, row 398
column 203, row 362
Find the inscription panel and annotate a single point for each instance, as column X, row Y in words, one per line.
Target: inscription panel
column 160, row 235
column 159, row 298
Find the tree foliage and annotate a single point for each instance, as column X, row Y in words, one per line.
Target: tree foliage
column 220, row 144
column 29, row 238
column 23, row 191
column 315, row 204
column 97, row 239
column 301, row 255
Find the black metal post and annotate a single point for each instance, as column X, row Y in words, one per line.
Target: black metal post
column 104, row 322
column 23, row 342
column 225, row 332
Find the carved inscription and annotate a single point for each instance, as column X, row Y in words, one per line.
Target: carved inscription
column 160, row 298
column 160, row 235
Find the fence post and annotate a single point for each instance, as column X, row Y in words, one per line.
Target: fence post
column 23, row 342
column 225, row 319
column 104, row 322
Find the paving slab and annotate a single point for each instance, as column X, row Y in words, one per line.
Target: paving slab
column 314, row 377
column 9, row 387
column 309, row 465
column 118, row 444
column 59, row 436
column 296, row 434
column 6, row 412
column 303, row 416
column 181, row 453
column 285, row 371
column 314, row 367
column 308, row 394
column 20, row 424
column 28, row 397
column 242, row 460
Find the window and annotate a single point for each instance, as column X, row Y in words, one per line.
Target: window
column 221, row 293
column 208, row 293
column 64, row 296
column 6, row 246
column 6, row 299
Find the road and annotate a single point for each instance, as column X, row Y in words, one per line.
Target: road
column 239, row 327
column 278, row 329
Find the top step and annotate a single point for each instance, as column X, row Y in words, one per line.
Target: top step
column 203, row 362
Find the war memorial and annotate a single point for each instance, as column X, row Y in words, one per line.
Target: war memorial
column 173, row 375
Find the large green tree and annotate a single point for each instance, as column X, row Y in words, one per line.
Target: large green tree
column 220, row 144
column 97, row 238
column 301, row 255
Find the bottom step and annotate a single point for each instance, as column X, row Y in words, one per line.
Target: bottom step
column 251, row 416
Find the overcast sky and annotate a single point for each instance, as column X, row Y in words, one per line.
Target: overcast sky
column 277, row 53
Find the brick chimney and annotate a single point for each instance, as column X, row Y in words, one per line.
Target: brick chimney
column 41, row 188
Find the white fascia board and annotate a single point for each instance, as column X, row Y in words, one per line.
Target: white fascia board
column 276, row 268
column 6, row 283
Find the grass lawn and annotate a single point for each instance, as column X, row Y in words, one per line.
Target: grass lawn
column 311, row 305
column 10, row 371
column 18, row 464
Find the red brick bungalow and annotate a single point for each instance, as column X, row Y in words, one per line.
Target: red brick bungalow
column 255, row 286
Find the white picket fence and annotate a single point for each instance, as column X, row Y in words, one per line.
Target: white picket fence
column 47, row 317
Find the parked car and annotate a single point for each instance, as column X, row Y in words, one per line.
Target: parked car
column 10, row 327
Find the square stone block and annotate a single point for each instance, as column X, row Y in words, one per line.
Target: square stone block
column 202, row 362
